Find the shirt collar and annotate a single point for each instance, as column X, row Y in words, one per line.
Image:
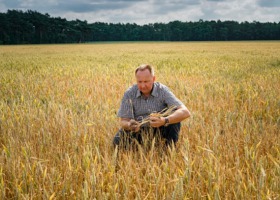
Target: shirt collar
column 154, row 91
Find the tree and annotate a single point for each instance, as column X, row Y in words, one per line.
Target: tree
column 32, row 27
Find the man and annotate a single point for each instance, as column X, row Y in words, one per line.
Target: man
column 142, row 99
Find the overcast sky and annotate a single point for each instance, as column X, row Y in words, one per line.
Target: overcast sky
column 151, row 11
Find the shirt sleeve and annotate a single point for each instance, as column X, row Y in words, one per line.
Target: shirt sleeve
column 126, row 108
column 170, row 99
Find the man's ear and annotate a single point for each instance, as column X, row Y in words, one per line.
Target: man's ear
column 154, row 78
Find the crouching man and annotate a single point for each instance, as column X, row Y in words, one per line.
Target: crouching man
column 142, row 99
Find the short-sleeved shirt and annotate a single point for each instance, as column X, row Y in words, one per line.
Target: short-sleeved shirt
column 135, row 106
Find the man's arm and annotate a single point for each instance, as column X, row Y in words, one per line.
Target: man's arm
column 129, row 124
column 179, row 115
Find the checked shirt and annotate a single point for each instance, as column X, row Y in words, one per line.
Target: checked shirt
column 135, row 106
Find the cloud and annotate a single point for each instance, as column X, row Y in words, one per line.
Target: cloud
column 163, row 7
column 82, row 7
column 238, row 10
column 151, row 11
column 269, row 3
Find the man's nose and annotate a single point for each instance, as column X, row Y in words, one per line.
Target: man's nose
column 142, row 85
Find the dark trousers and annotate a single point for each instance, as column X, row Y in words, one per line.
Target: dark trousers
column 167, row 134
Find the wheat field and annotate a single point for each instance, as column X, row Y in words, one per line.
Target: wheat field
column 58, row 106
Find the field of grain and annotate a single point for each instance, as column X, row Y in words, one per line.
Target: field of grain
column 58, row 107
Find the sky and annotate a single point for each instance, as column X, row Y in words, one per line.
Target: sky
column 151, row 11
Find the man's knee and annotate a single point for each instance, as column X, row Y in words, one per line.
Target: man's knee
column 171, row 133
column 122, row 138
column 117, row 139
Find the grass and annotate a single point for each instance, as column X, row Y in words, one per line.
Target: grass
column 58, row 107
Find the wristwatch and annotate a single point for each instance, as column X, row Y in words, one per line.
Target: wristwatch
column 166, row 121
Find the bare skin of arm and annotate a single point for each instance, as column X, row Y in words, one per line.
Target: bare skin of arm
column 129, row 124
column 179, row 115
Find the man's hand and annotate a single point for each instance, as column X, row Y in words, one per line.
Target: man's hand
column 156, row 121
column 134, row 125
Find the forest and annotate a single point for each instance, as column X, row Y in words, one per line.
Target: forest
column 32, row 27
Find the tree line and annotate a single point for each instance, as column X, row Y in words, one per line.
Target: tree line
column 32, row 27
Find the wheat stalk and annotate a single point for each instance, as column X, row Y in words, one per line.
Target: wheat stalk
column 164, row 113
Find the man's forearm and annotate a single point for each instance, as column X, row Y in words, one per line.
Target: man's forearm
column 125, row 124
column 130, row 125
column 179, row 115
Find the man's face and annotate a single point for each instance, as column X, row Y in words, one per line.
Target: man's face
column 145, row 81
